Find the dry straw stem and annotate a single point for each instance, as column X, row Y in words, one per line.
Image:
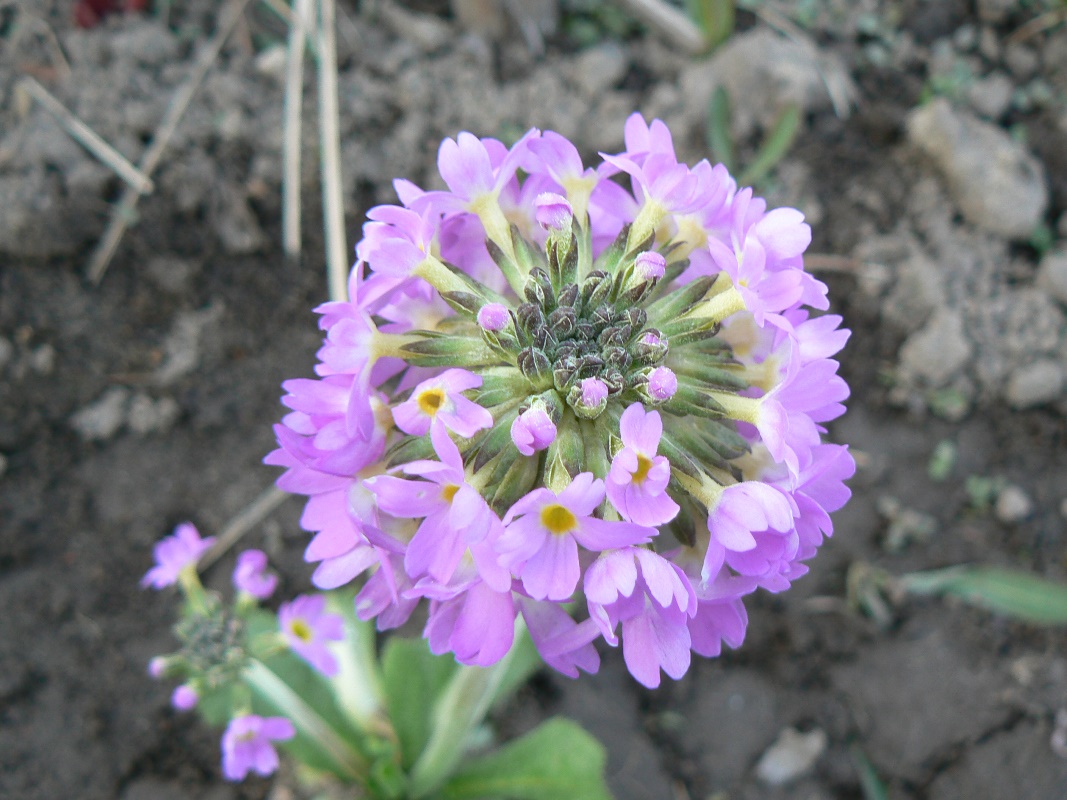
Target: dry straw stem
column 669, row 22
column 123, row 214
column 87, row 137
column 246, row 519
column 294, row 103
column 330, row 144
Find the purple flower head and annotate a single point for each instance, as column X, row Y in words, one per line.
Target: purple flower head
column 251, row 575
column 157, row 667
column 502, row 419
column 553, row 212
column 174, row 553
column 307, row 627
column 533, row 430
column 494, row 317
column 440, row 399
column 662, row 384
column 247, row 745
column 184, row 698
column 637, row 481
column 543, row 531
column 650, row 266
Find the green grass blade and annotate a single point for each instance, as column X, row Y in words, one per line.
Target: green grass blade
column 774, row 147
column 870, row 783
column 1004, row 591
column 718, row 131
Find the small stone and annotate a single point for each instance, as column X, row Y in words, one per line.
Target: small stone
column 146, row 415
column 43, row 359
column 170, row 273
column 995, row 11
column 1035, row 384
column 994, row 180
column 1013, row 505
column 102, row 419
column 598, row 69
column 989, row 44
column 425, row 31
column 1021, row 60
column 7, row 352
column 1052, row 275
column 237, row 227
column 791, row 756
column 272, row 62
column 181, row 348
column 991, row 96
column 763, row 73
column 936, row 352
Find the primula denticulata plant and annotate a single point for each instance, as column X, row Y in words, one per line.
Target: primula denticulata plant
column 553, row 406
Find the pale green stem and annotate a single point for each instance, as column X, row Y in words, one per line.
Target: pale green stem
column 439, row 276
column 306, row 720
column 743, row 409
column 460, row 710
column 719, row 307
column 386, row 345
column 649, row 218
column 358, row 683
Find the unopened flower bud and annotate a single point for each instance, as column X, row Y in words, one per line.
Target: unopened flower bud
column 588, row 398
column 493, row 317
column 553, row 212
column 650, row 266
column 662, row 384
column 650, row 347
column 157, row 667
column 533, row 430
column 184, row 698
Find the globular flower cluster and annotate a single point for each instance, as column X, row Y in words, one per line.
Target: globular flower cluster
column 594, row 398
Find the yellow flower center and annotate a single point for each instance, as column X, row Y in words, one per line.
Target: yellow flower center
column 431, row 400
column 644, row 464
column 558, row 519
column 301, row 630
column 449, row 491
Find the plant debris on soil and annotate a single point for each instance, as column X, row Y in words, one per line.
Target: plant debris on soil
column 937, row 196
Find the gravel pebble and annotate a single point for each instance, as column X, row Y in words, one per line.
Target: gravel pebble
column 102, row 419
column 791, row 756
column 1052, row 275
column 1035, row 384
column 1013, row 505
column 937, row 351
column 994, row 180
column 146, row 415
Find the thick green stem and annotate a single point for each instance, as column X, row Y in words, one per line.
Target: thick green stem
column 307, row 721
column 460, row 710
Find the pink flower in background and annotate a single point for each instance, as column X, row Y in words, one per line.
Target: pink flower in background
column 307, row 627
column 247, row 745
column 174, row 553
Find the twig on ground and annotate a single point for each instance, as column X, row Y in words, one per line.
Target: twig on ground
column 246, row 519
column 87, row 137
column 294, row 104
column 1039, row 24
column 330, row 145
column 123, row 213
column 60, row 58
column 669, row 22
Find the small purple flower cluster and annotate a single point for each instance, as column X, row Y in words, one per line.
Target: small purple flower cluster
column 548, row 385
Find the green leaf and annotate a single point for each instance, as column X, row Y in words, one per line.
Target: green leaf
column 555, row 760
column 873, row 788
column 1004, row 591
column 774, row 147
column 719, row 140
column 414, row 678
column 715, row 17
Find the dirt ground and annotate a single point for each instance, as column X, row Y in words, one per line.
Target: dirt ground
column 129, row 406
